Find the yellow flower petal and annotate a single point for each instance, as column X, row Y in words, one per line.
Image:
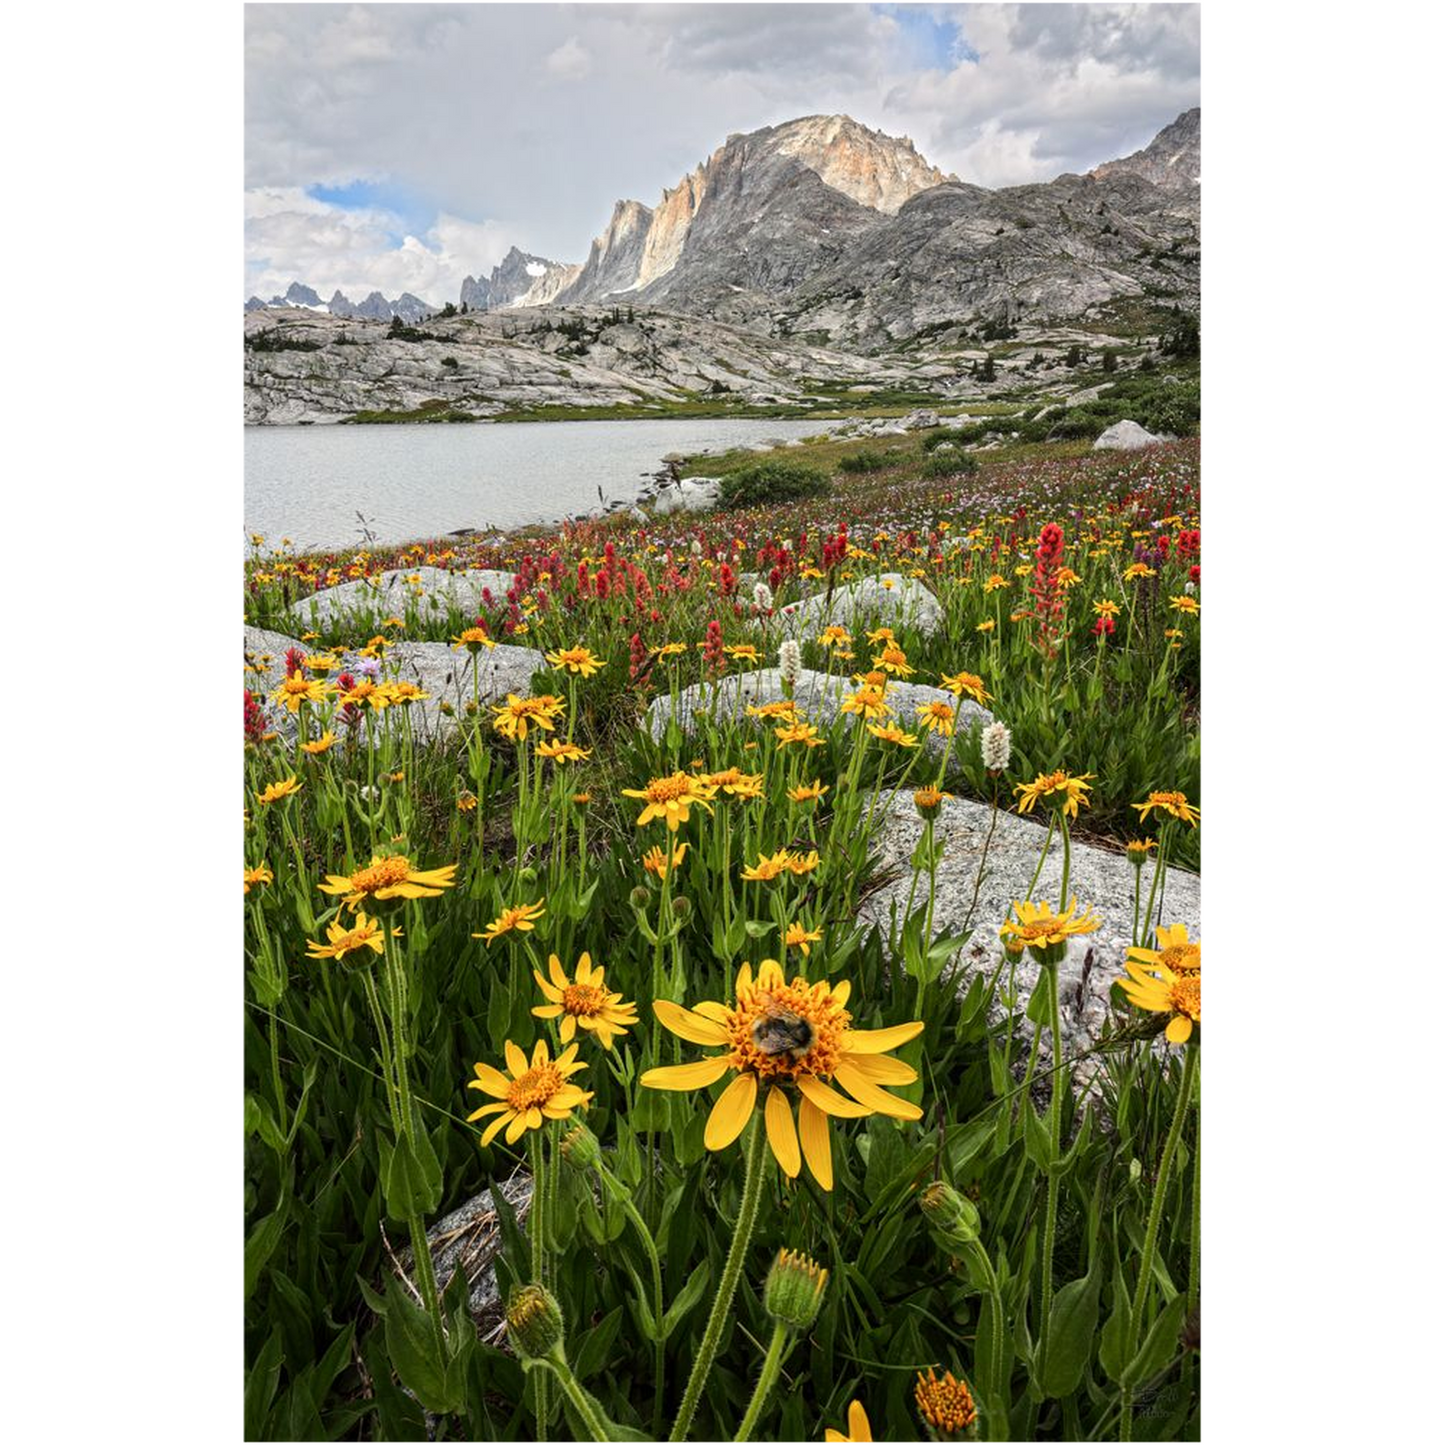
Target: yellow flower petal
column 516, row 1059
column 688, row 1025
column 687, row 1076
column 1179, row 1029
column 827, row 1101
column 817, row 1144
column 494, row 1128
column 732, row 1111
column 491, row 1081
column 878, row 1041
column 778, row 1115
column 869, row 1093
column 882, row 1070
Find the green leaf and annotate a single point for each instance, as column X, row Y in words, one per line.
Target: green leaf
column 1160, row 1345
column 757, row 928
column 1039, row 1011
column 411, row 1178
column 412, row 1346
column 592, row 1354
column 261, row 1384
column 686, row 1298
column 260, row 1245
column 1038, row 1145
column 1115, row 1331
column 1072, row 1322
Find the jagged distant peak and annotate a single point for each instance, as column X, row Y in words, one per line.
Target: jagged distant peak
column 1170, row 161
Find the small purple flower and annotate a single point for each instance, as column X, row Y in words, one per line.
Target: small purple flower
column 370, row 666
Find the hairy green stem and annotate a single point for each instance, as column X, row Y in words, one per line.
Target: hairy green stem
column 592, row 1418
column 767, row 1378
column 727, row 1286
column 1051, row 1204
column 1151, row 1235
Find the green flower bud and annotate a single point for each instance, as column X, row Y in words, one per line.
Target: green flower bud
column 682, row 908
column 639, row 897
column 446, row 709
column 534, row 1321
column 952, row 1217
column 580, row 1148
column 794, row 1290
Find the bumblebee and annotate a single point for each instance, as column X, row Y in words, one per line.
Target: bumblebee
column 783, row 1033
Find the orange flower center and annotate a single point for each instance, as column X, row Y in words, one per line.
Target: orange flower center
column 583, row 1000
column 1182, row 959
column 767, row 1013
column 534, row 1088
column 384, row 873
column 1184, row 996
column 669, row 790
column 946, row 1404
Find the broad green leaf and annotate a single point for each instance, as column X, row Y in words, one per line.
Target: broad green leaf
column 260, row 1245
column 1072, row 1322
column 1160, row 1345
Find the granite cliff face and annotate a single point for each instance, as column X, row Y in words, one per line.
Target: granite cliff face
column 520, row 280
column 1170, row 161
column 750, row 188
column 826, row 227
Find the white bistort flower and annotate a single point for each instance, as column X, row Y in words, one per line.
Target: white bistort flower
column 790, row 659
column 997, row 743
column 763, row 597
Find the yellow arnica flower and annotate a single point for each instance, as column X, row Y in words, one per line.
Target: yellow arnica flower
column 523, row 918
column 767, row 868
column 1105, row 608
column 561, row 752
column 386, row 878
column 946, row 1405
column 276, row 791
column 804, row 733
column 536, row 1091
column 472, row 638
column 892, row 733
column 995, row 582
column 787, row 1039
column 669, row 649
column 1185, row 604
column 798, row 937
column 970, row 683
column 340, row 940
column 403, row 691
column 658, row 863
column 517, row 714
column 1160, row 990
column 672, row 798
column 784, row 709
column 1175, row 951
column 466, row 801
column 929, row 799
column 258, row 875
column 577, row 659
column 1175, row 804
column 985, row 626
column 1057, row 790
column 803, row 862
column 936, row 717
column 858, row 1426
column 319, row 745
column 809, row 792
column 583, row 1000
column 737, row 783
column 893, row 660
column 867, row 702
column 834, row 637
column 883, row 634
column 743, row 652
column 1138, row 570
column 299, row 688
column 1039, row 928
column 367, row 691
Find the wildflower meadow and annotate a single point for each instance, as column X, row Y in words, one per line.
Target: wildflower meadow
column 587, row 968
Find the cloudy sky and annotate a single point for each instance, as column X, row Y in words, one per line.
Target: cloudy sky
column 399, row 147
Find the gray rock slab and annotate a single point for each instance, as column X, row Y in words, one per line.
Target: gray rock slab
column 1097, row 877
column 1126, row 436
column 439, row 669
column 892, row 599
column 424, row 590
column 818, row 694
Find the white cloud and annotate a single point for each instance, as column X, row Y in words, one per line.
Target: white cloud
column 443, row 102
column 291, row 236
column 569, row 61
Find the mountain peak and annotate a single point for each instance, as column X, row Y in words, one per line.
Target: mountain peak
column 1170, row 161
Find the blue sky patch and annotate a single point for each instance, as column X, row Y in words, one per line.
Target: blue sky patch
column 414, row 217
column 932, row 42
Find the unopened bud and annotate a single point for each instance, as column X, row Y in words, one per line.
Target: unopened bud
column 639, row 897
column 682, row 908
column 580, row 1148
column 950, row 1215
column 794, row 1290
column 446, row 709
column 534, row 1321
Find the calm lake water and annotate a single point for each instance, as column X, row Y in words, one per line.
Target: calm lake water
column 308, row 483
